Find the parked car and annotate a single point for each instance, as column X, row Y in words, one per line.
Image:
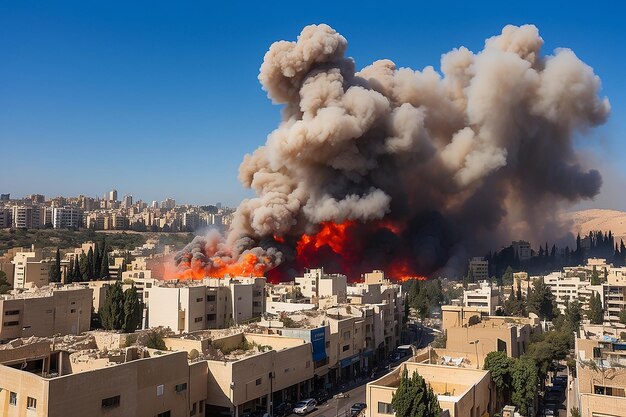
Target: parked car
column 305, row 406
column 357, row 409
column 320, row 395
column 283, row 409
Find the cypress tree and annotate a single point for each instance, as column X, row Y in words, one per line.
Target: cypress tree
column 96, row 261
column 90, row 265
column 415, row 398
column 84, row 267
column 112, row 310
column 69, row 275
column 54, row 274
column 104, row 266
column 133, row 310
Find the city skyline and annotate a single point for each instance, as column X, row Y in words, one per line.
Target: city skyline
column 162, row 90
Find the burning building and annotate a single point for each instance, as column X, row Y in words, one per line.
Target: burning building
column 408, row 171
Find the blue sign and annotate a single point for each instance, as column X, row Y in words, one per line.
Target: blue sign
column 318, row 341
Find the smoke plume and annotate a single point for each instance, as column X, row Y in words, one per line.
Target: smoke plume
column 407, row 170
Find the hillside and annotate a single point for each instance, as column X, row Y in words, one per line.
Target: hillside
column 599, row 219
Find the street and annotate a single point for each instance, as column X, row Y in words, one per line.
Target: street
column 333, row 408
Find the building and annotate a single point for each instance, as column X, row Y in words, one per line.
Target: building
column 522, row 250
column 316, row 284
column 601, row 375
column 113, row 383
column 112, row 196
column 566, row 289
column 246, row 369
column 67, row 217
column 209, row 304
column 462, row 392
column 472, row 335
column 479, row 269
column 30, row 268
column 484, row 298
column 45, row 312
column 6, row 217
column 27, row 217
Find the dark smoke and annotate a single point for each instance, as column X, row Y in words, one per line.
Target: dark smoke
column 458, row 160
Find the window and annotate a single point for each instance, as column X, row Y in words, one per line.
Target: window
column 31, row 403
column 210, row 298
column 73, row 310
column 385, row 408
column 238, row 298
column 180, row 387
column 345, row 347
column 199, row 300
column 197, row 319
column 111, row 402
column 11, row 312
column 159, row 390
column 201, row 406
column 164, row 414
column 210, row 317
column 192, row 412
column 11, row 323
column 258, row 381
column 346, row 335
column 13, row 398
column 327, row 345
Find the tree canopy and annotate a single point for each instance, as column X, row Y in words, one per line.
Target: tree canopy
column 414, row 397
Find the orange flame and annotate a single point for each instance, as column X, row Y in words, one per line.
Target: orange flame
column 331, row 234
column 248, row 264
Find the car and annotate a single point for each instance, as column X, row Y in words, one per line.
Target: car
column 357, row 409
column 305, row 406
column 320, row 395
column 549, row 412
column 283, row 409
column 560, row 380
column 553, row 396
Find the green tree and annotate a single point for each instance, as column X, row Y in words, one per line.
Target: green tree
column 507, row 277
column 5, row 287
column 524, row 381
column 595, row 278
column 112, row 310
column 69, row 274
column 97, row 261
column 155, row 340
column 133, row 310
column 499, row 364
column 415, row 398
column 54, row 275
column 541, row 301
column 77, row 275
column 104, row 267
column 83, row 267
column 90, row 264
column 595, row 312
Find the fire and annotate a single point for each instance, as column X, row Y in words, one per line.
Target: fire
column 331, row 234
column 248, row 264
column 402, row 272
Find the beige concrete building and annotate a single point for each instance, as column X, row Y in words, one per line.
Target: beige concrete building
column 471, row 335
column 601, row 374
column 462, row 392
column 189, row 306
column 45, row 312
column 31, row 269
column 121, row 383
column 316, row 284
column 482, row 297
column 248, row 371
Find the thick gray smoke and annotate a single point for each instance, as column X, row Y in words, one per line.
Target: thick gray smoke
column 483, row 148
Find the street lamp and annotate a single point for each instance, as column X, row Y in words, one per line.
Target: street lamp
column 475, row 343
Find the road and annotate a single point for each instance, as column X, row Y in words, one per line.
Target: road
column 332, row 408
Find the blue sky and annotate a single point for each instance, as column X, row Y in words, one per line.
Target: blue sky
column 161, row 99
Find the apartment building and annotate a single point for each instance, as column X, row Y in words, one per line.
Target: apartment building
column 119, row 383
column 472, row 335
column 189, row 306
column 568, row 288
column 601, row 375
column 316, row 284
column 27, row 217
column 6, row 217
column 461, row 392
column 482, row 297
column 67, row 217
column 45, row 312
column 257, row 370
column 479, row 267
column 31, row 269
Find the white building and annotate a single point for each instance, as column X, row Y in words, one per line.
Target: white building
column 522, row 249
column 484, row 298
column 317, row 284
column 66, row 217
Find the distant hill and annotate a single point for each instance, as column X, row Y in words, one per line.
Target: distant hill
column 598, row 219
